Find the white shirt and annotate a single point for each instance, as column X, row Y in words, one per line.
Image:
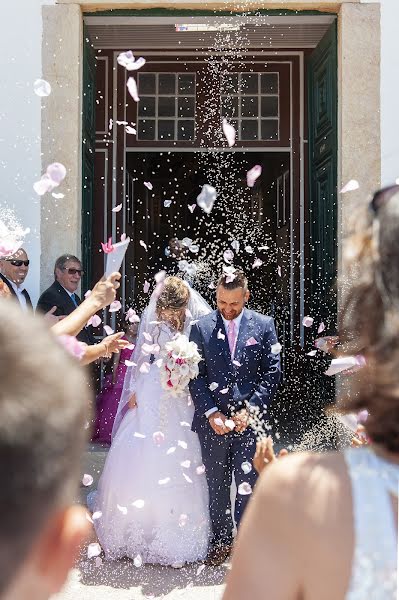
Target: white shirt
column 70, row 294
column 237, row 322
column 18, row 291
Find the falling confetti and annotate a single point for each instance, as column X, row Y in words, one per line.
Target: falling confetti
column 244, row 489
column 42, row 88
column 307, row 321
column 132, row 89
column 206, row 199
column 87, row 480
column 253, row 174
column 351, row 186
column 230, row 133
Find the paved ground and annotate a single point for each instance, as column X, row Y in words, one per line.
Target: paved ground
column 121, row 580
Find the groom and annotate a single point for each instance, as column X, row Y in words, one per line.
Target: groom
column 238, row 378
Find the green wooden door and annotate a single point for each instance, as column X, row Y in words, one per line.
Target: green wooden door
column 88, row 149
column 322, row 216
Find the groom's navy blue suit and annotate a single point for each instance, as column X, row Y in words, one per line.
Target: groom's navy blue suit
column 251, row 379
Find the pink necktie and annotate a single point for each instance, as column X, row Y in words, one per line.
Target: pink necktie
column 231, row 336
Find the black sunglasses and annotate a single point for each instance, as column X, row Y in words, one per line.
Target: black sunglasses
column 72, row 271
column 18, row 263
column 382, row 196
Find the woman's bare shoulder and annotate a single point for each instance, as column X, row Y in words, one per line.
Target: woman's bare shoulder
column 300, row 475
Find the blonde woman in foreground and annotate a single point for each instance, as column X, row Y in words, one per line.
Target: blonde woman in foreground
column 323, row 526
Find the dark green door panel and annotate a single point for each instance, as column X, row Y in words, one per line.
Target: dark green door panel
column 88, row 149
column 323, row 95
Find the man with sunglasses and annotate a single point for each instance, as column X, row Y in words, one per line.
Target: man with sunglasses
column 13, row 272
column 62, row 293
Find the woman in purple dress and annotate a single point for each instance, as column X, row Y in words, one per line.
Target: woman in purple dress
column 108, row 399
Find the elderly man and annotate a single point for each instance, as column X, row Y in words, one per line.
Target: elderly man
column 62, row 293
column 13, row 272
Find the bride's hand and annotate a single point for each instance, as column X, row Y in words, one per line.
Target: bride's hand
column 133, row 401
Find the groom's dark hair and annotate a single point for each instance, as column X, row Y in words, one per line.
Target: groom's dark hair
column 44, row 407
column 239, row 281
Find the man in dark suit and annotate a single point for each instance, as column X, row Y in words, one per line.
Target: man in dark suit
column 13, row 272
column 238, row 378
column 61, row 297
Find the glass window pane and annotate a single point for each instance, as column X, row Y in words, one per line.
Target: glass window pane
column 269, row 129
column 229, row 83
column 146, row 129
column 269, row 83
column 166, row 106
column 166, row 130
column 249, row 83
column 269, row 106
column 185, row 130
column 186, row 107
column 249, row 106
column 146, row 83
column 249, row 129
column 167, row 83
column 186, row 84
column 230, row 106
column 147, row 107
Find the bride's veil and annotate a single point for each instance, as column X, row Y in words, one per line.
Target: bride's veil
column 147, row 334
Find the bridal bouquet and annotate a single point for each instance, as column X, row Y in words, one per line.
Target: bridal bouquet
column 179, row 364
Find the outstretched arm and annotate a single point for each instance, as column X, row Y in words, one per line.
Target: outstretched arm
column 103, row 293
column 270, row 371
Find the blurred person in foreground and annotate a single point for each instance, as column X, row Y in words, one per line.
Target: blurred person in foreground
column 324, row 525
column 43, row 411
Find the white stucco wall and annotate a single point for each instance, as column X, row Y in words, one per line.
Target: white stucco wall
column 20, row 121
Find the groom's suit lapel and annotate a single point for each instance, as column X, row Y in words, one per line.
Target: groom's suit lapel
column 222, row 344
column 244, row 333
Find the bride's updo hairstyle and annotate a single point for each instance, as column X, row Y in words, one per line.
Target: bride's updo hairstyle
column 173, row 299
column 369, row 317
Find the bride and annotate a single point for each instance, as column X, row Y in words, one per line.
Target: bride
column 152, row 500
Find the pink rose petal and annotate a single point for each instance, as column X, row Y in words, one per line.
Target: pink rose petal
column 257, row 263
column 117, row 208
column 230, row 133
column 144, row 245
column 191, row 207
column 307, row 321
column 146, row 287
column 87, row 480
column 350, row 186
column 57, row 172
column 253, row 175
column 132, row 89
column 244, row 489
column 131, row 130
column 321, row 327
column 93, row 550
column 107, row 247
column 158, row 437
column 94, row 321
column 115, row 306
column 108, row 330
column 145, row 368
column 148, row 185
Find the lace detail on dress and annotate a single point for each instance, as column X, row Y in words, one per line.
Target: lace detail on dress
column 374, row 561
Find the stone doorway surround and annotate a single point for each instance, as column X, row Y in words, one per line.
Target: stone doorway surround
column 62, row 50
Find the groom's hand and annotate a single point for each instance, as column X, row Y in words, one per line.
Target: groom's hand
column 241, row 420
column 217, row 422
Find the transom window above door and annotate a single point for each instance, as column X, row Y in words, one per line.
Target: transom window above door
column 166, row 110
column 250, row 102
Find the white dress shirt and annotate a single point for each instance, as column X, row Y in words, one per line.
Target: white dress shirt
column 21, row 298
column 237, row 322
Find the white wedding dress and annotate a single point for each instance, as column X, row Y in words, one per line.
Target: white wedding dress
column 152, row 498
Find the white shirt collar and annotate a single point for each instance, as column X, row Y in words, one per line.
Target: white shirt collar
column 17, row 288
column 68, row 292
column 237, row 321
